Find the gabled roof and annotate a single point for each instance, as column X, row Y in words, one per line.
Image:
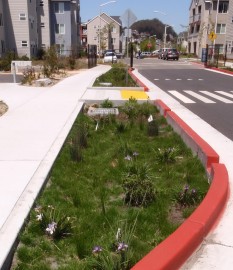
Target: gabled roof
column 113, row 18
column 117, row 19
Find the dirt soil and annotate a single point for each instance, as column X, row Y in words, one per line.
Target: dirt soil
column 3, row 107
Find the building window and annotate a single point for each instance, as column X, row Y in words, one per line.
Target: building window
column 58, row 7
column 221, row 28
column 1, row 20
column 59, row 28
column 42, row 25
column 114, row 29
column 60, row 48
column 24, row 43
column 2, row 46
column 113, row 40
column 22, row 16
column 223, row 7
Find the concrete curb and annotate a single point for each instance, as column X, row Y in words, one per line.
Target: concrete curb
column 179, row 246
column 140, row 83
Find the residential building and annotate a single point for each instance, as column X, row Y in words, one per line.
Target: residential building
column 83, row 34
column 211, row 22
column 182, row 40
column 2, row 31
column 105, row 32
column 26, row 26
column 20, row 24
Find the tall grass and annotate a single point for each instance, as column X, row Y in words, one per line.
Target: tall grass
column 120, row 165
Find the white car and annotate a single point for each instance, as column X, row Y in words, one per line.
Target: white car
column 110, row 57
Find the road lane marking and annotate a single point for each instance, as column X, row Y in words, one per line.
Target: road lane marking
column 225, row 93
column 179, row 79
column 167, row 79
column 181, row 97
column 216, row 97
column 200, row 97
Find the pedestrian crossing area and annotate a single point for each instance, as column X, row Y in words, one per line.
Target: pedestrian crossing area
column 189, row 96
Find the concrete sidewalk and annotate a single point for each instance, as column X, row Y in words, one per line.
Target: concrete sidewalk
column 32, row 133
column 35, row 128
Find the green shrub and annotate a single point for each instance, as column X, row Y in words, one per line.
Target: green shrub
column 106, row 104
column 29, row 76
column 138, row 185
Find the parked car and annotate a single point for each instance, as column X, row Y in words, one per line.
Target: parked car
column 171, row 54
column 110, row 57
column 155, row 53
column 161, row 53
column 145, row 54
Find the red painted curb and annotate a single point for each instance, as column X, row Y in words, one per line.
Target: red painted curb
column 140, row 83
column 179, row 246
column 163, row 108
column 176, row 249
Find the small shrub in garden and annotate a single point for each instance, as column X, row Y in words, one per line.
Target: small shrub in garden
column 146, row 109
column 76, row 151
column 138, row 192
column 121, row 127
column 82, row 134
column 131, row 108
column 106, row 104
column 53, row 223
column 167, row 155
column 188, row 197
column 29, row 76
column 138, row 186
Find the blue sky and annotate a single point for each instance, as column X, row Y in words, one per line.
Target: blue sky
column 177, row 11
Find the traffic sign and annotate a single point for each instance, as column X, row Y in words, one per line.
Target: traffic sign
column 212, row 36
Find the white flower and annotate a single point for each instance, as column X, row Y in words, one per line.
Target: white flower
column 39, row 217
column 51, row 228
column 118, row 235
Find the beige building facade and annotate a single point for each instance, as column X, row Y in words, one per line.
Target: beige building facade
column 105, row 32
column 211, row 22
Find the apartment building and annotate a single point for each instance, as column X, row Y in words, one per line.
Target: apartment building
column 26, row 26
column 211, row 22
column 105, row 32
column 2, row 31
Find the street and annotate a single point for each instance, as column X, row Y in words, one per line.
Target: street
column 206, row 93
column 8, row 78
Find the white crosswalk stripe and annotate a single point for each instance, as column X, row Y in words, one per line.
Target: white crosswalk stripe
column 225, row 93
column 181, row 97
column 198, row 96
column 201, row 96
column 216, row 97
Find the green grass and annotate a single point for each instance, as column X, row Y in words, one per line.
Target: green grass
column 117, row 75
column 91, row 193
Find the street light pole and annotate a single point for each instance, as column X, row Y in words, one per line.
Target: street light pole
column 165, row 32
column 165, row 35
column 101, row 5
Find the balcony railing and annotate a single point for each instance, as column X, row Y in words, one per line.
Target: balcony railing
column 195, row 18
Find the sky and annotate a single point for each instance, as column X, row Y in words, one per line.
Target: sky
column 171, row 12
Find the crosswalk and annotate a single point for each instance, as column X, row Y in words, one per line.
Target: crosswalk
column 189, row 96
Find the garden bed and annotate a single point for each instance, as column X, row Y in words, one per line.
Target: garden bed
column 121, row 184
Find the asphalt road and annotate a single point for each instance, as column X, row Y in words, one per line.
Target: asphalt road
column 206, row 93
column 8, row 78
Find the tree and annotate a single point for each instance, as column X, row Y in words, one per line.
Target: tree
column 153, row 27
